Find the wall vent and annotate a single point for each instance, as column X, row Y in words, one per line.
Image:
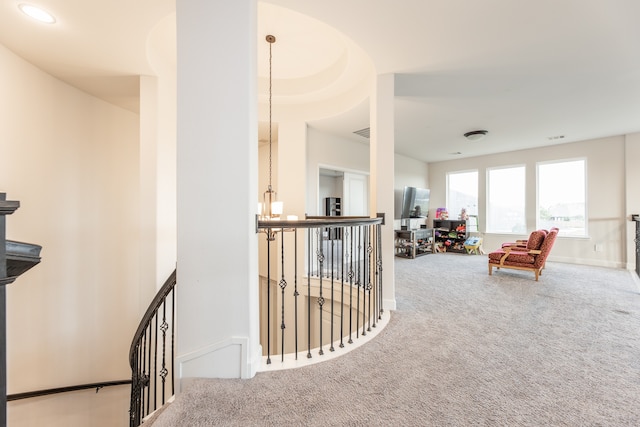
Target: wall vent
column 363, row 132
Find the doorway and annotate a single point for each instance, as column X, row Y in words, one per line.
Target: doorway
column 349, row 187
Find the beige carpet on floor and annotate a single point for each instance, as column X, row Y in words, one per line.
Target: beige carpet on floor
column 463, row 348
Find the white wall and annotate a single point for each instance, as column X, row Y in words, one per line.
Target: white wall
column 605, row 196
column 72, row 162
column 328, row 151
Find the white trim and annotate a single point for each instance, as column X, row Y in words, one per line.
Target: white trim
column 587, row 261
column 213, row 352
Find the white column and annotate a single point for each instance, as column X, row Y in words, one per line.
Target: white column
column 217, row 185
column 382, row 176
column 632, row 200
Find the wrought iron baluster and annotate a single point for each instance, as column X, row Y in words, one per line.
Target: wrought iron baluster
column 163, row 327
column 320, row 297
column 369, row 274
column 155, row 365
column 351, row 277
column 343, row 238
column 268, row 299
column 318, row 237
column 283, row 284
column 358, row 281
column 173, row 340
column 333, row 245
column 148, row 385
column 309, row 257
column 295, row 289
column 380, row 287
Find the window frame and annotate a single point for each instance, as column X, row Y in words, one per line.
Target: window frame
column 454, row 215
column 563, row 233
column 488, row 170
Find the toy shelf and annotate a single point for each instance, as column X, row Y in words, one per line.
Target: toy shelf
column 450, row 235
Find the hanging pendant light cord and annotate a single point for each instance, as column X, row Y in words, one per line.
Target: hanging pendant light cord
column 271, row 39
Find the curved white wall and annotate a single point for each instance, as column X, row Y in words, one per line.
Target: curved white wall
column 72, row 162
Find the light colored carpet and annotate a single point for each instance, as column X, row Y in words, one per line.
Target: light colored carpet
column 463, row 348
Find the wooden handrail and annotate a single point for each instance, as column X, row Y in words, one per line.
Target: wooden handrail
column 45, row 392
column 318, row 221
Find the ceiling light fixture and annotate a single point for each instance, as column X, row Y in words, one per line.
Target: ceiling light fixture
column 37, row 13
column 475, row 135
column 270, row 209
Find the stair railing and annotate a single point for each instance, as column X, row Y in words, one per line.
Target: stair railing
column 327, row 299
column 152, row 355
column 15, row 259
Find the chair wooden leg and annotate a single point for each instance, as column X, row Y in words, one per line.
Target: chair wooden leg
column 490, row 269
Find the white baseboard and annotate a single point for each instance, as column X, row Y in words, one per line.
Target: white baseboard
column 587, row 261
column 223, row 359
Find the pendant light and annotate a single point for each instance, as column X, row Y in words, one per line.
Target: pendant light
column 271, row 208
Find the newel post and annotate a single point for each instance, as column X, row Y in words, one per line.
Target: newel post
column 6, row 208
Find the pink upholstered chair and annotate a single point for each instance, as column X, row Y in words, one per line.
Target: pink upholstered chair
column 532, row 257
column 521, row 243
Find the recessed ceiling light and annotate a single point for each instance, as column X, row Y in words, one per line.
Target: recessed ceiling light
column 475, row 135
column 37, row 13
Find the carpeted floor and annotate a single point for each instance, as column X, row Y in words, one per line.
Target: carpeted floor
column 463, row 348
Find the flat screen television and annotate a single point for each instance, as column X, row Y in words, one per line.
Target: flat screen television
column 415, row 202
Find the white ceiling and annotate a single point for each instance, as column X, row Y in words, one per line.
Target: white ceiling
column 523, row 70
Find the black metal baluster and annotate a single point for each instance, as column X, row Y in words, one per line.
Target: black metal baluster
column 173, row 340
column 320, row 297
column 369, row 272
column 268, row 298
column 155, row 365
column 148, row 362
column 375, row 277
column 343, row 238
column 351, row 277
column 380, row 294
column 163, row 327
column 366, row 277
column 333, row 266
column 283, row 284
column 141, row 372
column 318, row 235
column 309, row 257
column 358, row 281
column 295, row 289
column 134, row 410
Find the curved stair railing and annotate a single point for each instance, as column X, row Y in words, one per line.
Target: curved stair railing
column 152, row 355
column 334, row 299
column 327, row 299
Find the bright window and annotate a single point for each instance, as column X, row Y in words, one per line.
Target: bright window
column 506, row 200
column 562, row 193
column 462, row 193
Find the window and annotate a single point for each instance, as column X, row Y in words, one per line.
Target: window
column 562, row 197
column 462, row 193
column 506, row 200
